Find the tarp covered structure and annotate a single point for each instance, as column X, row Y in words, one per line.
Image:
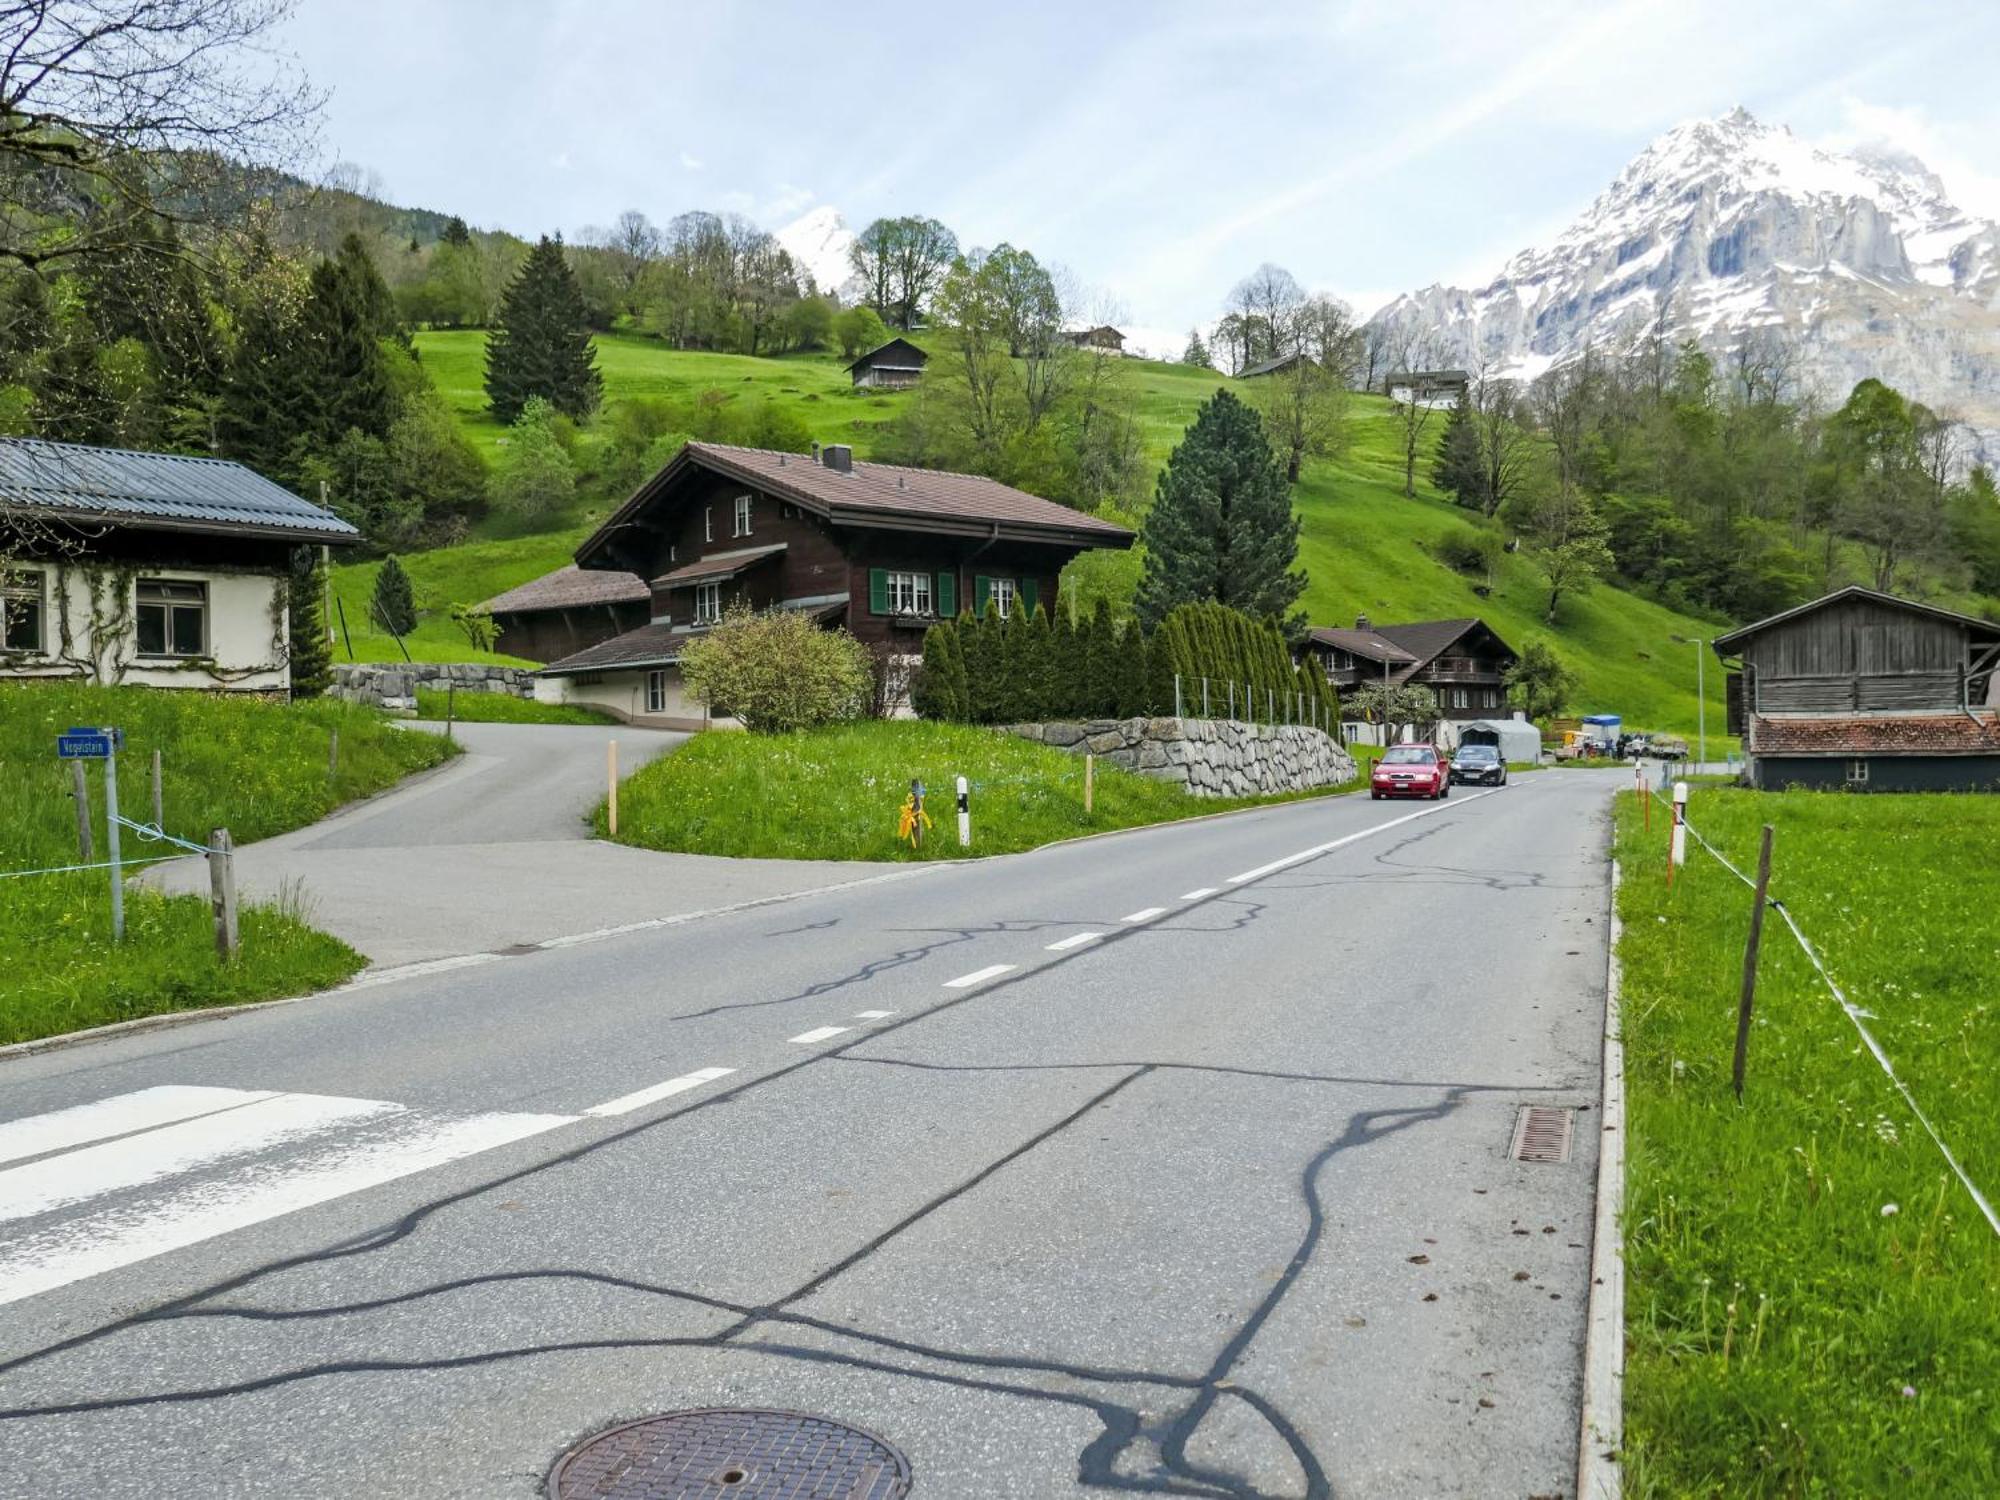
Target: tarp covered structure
column 1517, row 739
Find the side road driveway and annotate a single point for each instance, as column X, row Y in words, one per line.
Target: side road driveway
column 491, row 851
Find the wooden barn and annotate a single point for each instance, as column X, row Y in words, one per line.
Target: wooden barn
column 562, row 612
column 1866, row 691
column 893, row 366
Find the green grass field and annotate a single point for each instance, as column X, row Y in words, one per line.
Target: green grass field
column 1364, row 545
column 255, row 768
column 1811, row 1296
column 835, row 794
column 503, row 708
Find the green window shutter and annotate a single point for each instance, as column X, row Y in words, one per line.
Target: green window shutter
column 982, row 590
column 878, row 591
column 1027, row 596
column 947, row 595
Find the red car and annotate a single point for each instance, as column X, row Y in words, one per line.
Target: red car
column 1410, row 771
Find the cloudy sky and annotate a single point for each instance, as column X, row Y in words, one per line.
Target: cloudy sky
column 1158, row 149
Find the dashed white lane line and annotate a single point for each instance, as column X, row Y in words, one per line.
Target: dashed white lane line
column 819, row 1034
column 978, row 976
column 873, row 1015
column 1207, row 890
column 624, row 1104
column 1074, row 940
column 1318, row 849
column 1145, row 915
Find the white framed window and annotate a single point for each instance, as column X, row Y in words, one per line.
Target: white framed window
column 172, row 617
column 22, row 607
column 1857, row 773
column 909, row 593
column 708, row 523
column 707, row 603
column 673, row 552
column 656, row 692
column 742, row 516
column 1003, row 596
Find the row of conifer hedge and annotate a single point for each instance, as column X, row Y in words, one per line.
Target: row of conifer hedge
column 1028, row 668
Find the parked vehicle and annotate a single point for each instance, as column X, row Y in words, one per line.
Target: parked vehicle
column 1479, row 765
column 1410, row 771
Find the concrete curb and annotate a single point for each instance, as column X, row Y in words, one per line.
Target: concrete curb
column 1599, row 1471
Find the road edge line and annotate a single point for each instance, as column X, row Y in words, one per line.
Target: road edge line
column 1601, row 1431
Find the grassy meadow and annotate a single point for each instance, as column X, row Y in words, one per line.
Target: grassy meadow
column 1365, row 548
column 503, row 708
column 835, row 794
column 1811, row 1295
column 255, row 768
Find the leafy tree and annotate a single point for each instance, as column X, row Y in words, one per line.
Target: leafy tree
column 432, row 460
column 901, row 262
column 1221, row 526
column 857, row 330
column 541, row 345
column 536, row 478
column 808, row 323
column 311, row 651
column 1568, row 540
column 777, row 671
column 1395, row 706
column 1539, row 683
column 476, row 624
column 395, row 602
column 1888, row 502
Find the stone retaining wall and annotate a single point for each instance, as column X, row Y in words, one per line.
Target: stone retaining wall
column 1208, row 757
column 393, row 688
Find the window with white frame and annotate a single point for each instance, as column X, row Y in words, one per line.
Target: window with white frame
column 1857, row 772
column 1003, row 596
column 172, row 617
column 656, row 692
column 21, row 608
column 742, row 516
column 707, row 603
column 909, row 593
column 708, row 523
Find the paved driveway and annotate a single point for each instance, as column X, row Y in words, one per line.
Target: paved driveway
column 492, row 851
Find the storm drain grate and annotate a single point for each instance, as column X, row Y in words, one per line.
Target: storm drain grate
column 731, row 1454
column 1541, row 1133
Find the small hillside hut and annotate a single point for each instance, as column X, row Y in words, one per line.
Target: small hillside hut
column 893, row 366
column 1103, row 339
column 1426, row 387
column 1866, row 691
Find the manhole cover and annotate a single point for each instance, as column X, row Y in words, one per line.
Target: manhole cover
column 731, row 1454
column 1541, row 1133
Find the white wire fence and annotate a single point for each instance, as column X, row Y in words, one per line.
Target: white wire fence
column 1246, row 703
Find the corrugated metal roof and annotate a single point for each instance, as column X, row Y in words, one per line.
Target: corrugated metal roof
column 69, row 481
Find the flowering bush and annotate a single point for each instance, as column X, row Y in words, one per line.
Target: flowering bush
column 777, row 671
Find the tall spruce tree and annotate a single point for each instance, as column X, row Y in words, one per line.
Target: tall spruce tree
column 348, row 313
column 1221, row 526
column 541, row 345
column 312, row 653
column 395, row 602
column 1460, row 470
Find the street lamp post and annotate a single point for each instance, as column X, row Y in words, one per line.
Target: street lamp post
column 1701, row 700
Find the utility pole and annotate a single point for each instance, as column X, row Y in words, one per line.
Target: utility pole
column 1701, row 699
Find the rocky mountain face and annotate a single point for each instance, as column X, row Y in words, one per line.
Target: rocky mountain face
column 819, row 240
column 1860, row 262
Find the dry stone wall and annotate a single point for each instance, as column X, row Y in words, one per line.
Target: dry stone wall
column 393, row 688
column 1208, row 757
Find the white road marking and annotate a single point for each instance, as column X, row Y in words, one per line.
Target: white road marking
column 99, row 1207
column 977, row 976
column 1318, row 849
column 819, row 1034
column 624, row 1104
column 1207, row 890
column 1146, row 915
column 873, row 1015
column 122, row 1115
column 1074, row 940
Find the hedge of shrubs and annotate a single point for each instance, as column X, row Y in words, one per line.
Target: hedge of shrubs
column 1029, row 668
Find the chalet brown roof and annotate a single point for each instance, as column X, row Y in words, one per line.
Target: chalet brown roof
column 570, row 587
column 718, row 565
column 1955, row 733
column 894, row 355
column 1369, row 643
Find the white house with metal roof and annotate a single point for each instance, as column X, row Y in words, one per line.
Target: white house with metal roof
column 152, row 569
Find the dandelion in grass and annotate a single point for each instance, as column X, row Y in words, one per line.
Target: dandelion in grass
column 1890, row 1210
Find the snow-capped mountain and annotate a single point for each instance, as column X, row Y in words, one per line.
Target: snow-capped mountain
column 818, row 240
column 1859, row 260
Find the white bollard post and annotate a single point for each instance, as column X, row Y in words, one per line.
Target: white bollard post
column 964, row 816
column 1679, row 847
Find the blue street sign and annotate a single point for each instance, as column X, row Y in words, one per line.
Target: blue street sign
column 88, row 744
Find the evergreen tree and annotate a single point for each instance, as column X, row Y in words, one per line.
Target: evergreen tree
column 339, row 353
column 541, row 344
column 455, row 232
column 1159, row 673
column 312, row 653
column 979, row 640
column 1197, row 351
column 1020, row 689
column 1100, row 664
column 1222, row 526
column 395, row 603
column 1132, row 683
column 1460, row 469
column 937, row 694
column 1046, row 670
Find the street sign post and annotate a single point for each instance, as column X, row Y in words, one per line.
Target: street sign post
column 88, row 744
column 85, row 743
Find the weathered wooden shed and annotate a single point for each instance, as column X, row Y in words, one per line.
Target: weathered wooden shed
column 1864, row 690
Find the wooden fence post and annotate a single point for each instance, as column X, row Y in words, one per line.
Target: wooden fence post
column 222, row 891
column 1089, row 781
column 159, row 815
column 1743, row 1005
column 79, row 782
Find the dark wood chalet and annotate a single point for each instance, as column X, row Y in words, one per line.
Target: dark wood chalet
column 1103, row 339
column 881, row 550
column 1462, row 661
column 562, row 612
column 891, row 366
column 1866, row 691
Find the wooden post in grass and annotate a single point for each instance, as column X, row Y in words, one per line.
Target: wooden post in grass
column 450, row 706
column 222, row 892
column 159, row 816
column 333, row 753
column 1089, row 781
column 79, row 784
column 611, row 770
column 1743, row 1005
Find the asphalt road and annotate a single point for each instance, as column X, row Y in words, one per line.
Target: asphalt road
column 1170, row 1163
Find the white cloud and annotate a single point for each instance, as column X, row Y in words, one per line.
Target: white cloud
column 787, row 201
column 692, row 163
column 1942, row 148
